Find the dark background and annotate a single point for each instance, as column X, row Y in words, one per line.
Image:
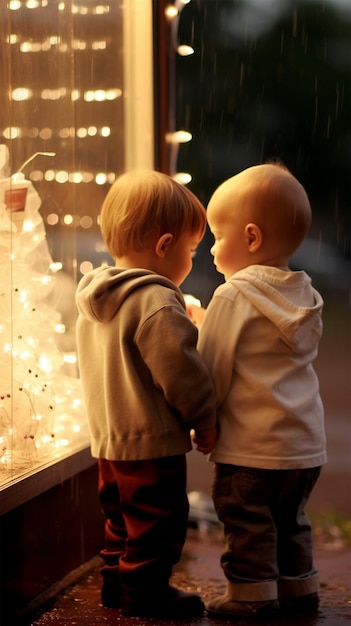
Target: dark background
column 270, row 80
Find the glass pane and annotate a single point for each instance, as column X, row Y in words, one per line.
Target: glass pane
column 61, row 87
column 264, row 80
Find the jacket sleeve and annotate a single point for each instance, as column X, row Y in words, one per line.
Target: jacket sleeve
column 167, row 342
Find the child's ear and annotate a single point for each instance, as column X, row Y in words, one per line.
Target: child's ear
column 254, row 237
column 163, row 244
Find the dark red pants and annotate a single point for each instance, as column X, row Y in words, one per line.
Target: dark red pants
column 146, row 509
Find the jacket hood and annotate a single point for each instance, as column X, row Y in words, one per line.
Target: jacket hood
column 101, row 292
column 275, row 294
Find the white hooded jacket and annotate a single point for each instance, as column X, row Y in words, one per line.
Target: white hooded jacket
column 259, row 339
column 144, row 383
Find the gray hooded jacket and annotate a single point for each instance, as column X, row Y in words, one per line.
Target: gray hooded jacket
column 144, row 383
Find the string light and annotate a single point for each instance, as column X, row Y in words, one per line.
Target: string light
column 182, row 177
column 179, row 136
column 171, row 11
column 40, row 404
column 40, row 393
column 175, row 138
column 185, row 51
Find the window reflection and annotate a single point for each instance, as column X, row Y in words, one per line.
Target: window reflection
column 265, row 84
column 272, row 80
column 61, row 98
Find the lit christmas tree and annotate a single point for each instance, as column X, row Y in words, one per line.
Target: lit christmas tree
column 40, row 404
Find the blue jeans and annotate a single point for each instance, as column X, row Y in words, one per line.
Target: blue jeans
column 268, row 535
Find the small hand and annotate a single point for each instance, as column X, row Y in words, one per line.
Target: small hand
column 205, row 440
column 195, row 313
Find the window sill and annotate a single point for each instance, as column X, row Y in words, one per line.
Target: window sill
column 30, row 483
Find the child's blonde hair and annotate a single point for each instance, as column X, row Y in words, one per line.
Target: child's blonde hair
column 142, row 205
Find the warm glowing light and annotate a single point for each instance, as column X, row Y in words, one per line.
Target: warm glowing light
column 111, row 177
column 32, row 376
column 171, row 12
column 100, row 9
column 61, row 443
column 32, row 4
column 89, row 96
column 112, row 94
column 101, row 178
column 53, row 94
column 52, row 219
column 88, row 177
column 21, row 93
column 100, row 95
column 85, row 267
column 64, row 133
column 49, row 175
column 45, row 363
column 77, row 177
column 78, row 45
column 60, row 329
column 180, row 136
column 61, row 177
column 70, row 358
column 185, row 51
column 182, row 177
column 23, row 295
column 82, row 132
column 22, row 355
column 56, row 266
column 12, row 132
column 45, row 439
column 45, row 133
column 98, row 45
column 28, row 226
column 28, row 46
column 36, row 176
column 68, row 219
column 14, row 5
column 86, row 221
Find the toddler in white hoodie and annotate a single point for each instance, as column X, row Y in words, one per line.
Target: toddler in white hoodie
column 259, row 337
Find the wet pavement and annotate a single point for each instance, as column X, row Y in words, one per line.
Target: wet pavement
column 199, row 571
column 76, row 599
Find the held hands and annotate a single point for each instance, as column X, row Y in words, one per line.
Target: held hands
column 205, row 440
column 195, row 313
column 194, row 309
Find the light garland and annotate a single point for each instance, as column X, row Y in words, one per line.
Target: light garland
column 40, row 394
